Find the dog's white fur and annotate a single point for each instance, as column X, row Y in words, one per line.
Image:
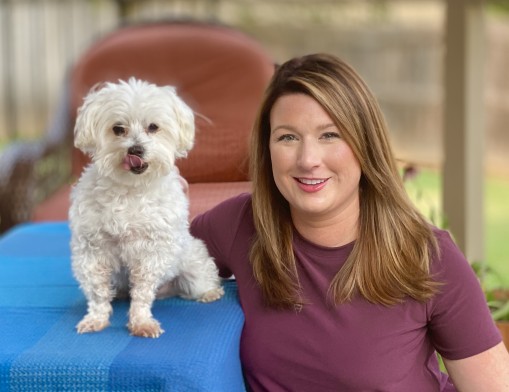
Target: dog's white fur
column 129, row 213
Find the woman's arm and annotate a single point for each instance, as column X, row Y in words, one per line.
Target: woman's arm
column 487, row 371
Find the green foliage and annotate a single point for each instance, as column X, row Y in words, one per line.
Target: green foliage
column 497, row 298
column 424, row 189
column 500, row 7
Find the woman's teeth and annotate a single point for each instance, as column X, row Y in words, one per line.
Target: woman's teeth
column 310, row 182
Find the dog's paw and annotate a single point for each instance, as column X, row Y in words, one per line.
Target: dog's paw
column 212, row 295
column 91, row 324
column 147, row 329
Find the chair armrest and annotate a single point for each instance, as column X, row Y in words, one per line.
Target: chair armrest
column 30, row 171
column 16, row 172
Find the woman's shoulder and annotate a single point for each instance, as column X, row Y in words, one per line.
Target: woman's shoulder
column 447, row 254
column 226, row 225
column 443, row 237
column 450, row 266
column 446, row 245
column 232, row 207
column 460, row 321
column 229, row 213
column 242, row 200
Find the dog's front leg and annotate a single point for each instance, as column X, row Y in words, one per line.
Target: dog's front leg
column 143, row 290
column 99, row 294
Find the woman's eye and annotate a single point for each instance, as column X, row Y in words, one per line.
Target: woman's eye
column 118, row 130
column 330, row 135
column 286, row 138
column 152, row 128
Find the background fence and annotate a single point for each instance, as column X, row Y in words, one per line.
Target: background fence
column 396, row 45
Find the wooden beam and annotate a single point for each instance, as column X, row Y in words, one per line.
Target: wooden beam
column 464, row 126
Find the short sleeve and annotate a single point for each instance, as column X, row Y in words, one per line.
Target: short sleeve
column 459, row 319
column 218, row 228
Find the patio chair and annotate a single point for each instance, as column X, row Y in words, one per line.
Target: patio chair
column 219, row 71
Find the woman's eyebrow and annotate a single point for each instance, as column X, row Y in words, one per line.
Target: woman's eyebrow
column 284, row 127
column 320, row 128
column 326, row 126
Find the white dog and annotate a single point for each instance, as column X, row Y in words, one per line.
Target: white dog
column 129, row 213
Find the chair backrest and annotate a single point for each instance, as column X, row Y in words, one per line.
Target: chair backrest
column 220, row 73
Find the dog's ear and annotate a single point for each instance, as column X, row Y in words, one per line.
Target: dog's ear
column 87, row 121
column 185, row 120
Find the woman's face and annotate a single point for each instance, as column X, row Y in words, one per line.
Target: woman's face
column 313, row 166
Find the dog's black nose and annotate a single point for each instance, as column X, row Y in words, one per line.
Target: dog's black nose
column 136, row 150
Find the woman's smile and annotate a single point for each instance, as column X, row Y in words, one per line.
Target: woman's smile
column 311, row 184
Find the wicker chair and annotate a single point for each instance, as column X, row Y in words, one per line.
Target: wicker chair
column 220, row 72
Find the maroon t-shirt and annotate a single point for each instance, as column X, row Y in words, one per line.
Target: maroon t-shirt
column 358, row 346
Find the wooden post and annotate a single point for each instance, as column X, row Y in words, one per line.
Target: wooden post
column 464, row 126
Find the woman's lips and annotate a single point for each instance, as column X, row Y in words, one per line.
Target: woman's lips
column 311, row 184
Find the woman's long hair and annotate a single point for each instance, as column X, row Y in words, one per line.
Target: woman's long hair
column 391, row 257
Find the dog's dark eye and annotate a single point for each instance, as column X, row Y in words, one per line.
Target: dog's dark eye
column 118, row 130
column 152, row 128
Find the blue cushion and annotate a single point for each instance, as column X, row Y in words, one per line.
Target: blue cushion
column 40, row 304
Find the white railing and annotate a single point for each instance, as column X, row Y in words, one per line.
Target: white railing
column 39, row 40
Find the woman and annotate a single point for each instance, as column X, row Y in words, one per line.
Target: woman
column 344, row 285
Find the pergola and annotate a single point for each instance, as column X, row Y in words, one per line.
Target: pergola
column 463, row 125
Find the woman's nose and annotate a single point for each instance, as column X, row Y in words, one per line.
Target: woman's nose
column 309, row 155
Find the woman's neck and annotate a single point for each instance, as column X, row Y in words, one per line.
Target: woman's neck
column 331, row 231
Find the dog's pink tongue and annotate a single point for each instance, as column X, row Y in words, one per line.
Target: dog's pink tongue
column 132, row 161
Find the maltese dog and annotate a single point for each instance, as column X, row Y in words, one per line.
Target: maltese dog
column 129, row 212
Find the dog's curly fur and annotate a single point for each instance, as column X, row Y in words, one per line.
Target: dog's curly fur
column 129, row 213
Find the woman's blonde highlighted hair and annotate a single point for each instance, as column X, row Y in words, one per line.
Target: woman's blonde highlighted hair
column 391, row 257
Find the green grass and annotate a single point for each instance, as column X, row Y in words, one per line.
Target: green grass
column 425, row 191
column 497, row 227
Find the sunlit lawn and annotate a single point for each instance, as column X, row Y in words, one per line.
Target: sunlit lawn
column 425, row 190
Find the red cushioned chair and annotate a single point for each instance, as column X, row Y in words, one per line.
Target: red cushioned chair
column 219, row 71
